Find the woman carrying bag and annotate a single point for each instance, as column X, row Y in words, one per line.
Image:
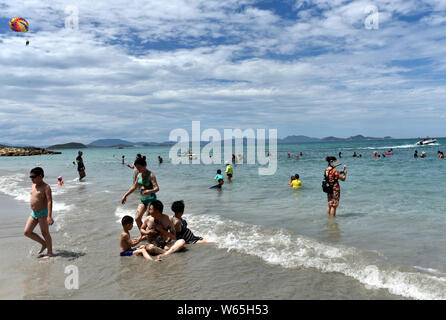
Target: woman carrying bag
column 331, row 186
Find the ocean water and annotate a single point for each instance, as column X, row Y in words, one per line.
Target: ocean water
column 388, row 240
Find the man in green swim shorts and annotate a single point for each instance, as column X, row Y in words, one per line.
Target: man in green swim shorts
column 42, row 209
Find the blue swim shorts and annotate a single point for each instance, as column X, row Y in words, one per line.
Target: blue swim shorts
column 126, row 253
column 39, row 213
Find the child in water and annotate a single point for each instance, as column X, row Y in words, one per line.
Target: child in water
column 296, row 183
column 218, row 176
column 218, row 186
column 181, row 229
column 59, row 178
column 229, row 171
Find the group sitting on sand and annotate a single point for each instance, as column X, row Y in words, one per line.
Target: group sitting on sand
column 165, row 235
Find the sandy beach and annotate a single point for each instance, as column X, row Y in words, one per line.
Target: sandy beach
column 201, row 272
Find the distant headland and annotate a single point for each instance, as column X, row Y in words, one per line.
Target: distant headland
column 120, row 143
column 9, row 151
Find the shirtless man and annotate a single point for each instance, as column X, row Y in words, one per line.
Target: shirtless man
column 160, row 231
column 42, row 210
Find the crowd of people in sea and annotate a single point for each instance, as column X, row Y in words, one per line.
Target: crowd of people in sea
column 164, row 234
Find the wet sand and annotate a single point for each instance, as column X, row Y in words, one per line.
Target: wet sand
column 201, row 272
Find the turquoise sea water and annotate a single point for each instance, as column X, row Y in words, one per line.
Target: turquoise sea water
column 389, row 232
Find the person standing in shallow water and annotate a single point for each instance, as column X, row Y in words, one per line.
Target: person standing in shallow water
column 80, row 165
column 42, row 208
column 334, row 177
column 146, row 180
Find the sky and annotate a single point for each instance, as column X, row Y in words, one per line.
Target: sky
column 136, row 70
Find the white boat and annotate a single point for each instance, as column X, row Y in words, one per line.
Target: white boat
column 426, row 141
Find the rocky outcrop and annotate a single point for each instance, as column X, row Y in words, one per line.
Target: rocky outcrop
column 26, row 151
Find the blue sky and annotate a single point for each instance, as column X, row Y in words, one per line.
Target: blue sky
column 138, row 69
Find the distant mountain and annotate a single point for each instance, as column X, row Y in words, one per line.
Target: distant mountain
column 152, row 144
column 297, row 139
column 125, row 144
column 362, row 138
column 71, row 145
column 331, row 138
column 110, row 143
column 302, row 139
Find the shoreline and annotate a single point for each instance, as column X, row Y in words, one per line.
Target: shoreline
column 202, row 272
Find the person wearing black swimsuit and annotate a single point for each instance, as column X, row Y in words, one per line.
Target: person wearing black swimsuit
column 182, row 231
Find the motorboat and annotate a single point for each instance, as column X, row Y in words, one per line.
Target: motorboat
column 426, row 141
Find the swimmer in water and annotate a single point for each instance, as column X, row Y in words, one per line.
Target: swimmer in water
column 218, row 176
column 229, row 171
column 296, row 183
column 59, row 178
column 219, row 185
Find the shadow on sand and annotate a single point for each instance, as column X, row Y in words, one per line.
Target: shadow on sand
column 69, row 255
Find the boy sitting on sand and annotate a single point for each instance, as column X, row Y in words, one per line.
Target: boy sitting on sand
column 42, row 209
column 181, row 229
column 126, row 244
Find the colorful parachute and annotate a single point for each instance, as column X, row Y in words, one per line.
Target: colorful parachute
column 18, row 24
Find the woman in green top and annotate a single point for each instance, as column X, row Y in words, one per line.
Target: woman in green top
column 146, row 180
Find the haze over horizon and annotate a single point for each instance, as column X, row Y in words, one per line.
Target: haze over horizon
column 137, row 70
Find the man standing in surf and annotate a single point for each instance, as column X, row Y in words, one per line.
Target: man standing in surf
column 80, row 165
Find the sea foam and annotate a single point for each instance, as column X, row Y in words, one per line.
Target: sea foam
column 278, row 246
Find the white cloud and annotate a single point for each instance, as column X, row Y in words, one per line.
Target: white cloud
column 220, row 63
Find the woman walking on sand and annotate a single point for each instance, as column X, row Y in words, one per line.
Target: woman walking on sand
column 333, row 176
column 146, row 180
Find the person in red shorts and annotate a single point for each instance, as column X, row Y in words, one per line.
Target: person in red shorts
column 334, row 176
